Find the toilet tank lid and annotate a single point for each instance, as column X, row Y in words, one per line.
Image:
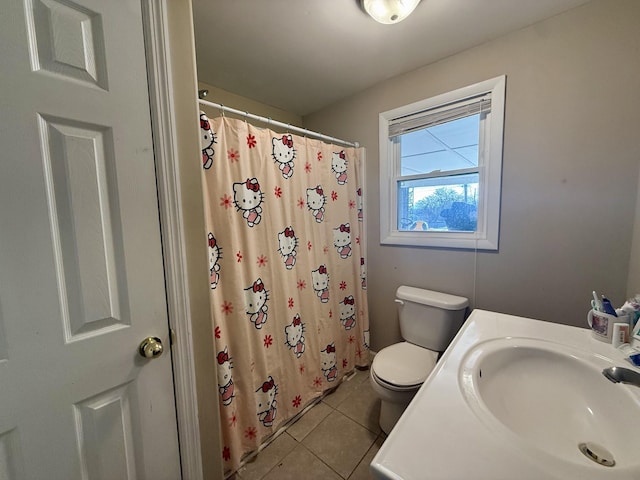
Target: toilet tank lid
column 429, row 297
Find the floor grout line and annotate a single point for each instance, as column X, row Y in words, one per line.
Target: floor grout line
column 333, row 410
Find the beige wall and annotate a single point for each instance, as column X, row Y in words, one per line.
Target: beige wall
column 633, row 284
column 570, row 169
column 228, row 99
column 188, row 147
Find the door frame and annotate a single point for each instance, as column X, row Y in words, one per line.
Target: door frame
column 174, row 242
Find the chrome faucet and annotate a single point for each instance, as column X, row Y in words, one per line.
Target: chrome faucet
column 622, row 375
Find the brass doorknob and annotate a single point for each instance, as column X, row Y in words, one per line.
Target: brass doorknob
column 151, row 347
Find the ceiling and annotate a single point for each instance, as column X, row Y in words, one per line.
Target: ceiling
column 303, row 55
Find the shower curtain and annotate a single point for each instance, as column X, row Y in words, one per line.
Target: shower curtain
column 287, row 272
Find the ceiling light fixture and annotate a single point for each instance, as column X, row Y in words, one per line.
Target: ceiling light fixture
column 389, row 11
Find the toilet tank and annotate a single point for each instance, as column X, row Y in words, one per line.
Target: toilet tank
column 429, row 319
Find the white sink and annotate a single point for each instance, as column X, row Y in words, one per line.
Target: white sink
column 554, row 397
column 517, row 398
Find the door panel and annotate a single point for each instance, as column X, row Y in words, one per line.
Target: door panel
column 81, row 277
column 67, row 38
column 81, row 189
column 106, row 441
column 9, row 455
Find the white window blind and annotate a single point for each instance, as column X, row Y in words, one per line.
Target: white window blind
column 441, row 114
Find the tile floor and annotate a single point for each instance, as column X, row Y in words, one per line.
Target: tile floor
column 334, row 440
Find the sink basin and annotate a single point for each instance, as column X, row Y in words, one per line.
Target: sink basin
column 514, row 397
column 554, row 398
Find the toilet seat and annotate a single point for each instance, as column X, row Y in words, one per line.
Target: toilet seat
column 403, row 366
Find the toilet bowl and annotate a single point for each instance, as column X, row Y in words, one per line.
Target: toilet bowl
column 397, row 373
column 428, row 322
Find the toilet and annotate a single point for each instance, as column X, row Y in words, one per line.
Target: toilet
column 428, row 322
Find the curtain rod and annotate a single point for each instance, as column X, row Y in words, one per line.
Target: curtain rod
column 269, row 121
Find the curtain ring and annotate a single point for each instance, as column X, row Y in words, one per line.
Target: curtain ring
column 222, row 109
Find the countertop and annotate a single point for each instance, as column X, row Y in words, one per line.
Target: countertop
column 440, row 437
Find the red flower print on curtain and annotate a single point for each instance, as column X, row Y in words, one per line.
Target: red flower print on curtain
column 287, row 276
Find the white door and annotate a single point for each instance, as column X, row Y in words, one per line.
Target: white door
column 81, row 275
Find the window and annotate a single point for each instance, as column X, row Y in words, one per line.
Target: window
column 441, row 169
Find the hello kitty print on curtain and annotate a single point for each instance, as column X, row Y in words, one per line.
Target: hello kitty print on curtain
column 287, row 274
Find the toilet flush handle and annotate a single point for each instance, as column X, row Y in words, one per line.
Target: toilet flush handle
column 399, row 301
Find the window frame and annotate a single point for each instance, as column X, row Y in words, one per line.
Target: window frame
column 490, row 151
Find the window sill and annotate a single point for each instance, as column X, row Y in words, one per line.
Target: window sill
column 458, row 240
